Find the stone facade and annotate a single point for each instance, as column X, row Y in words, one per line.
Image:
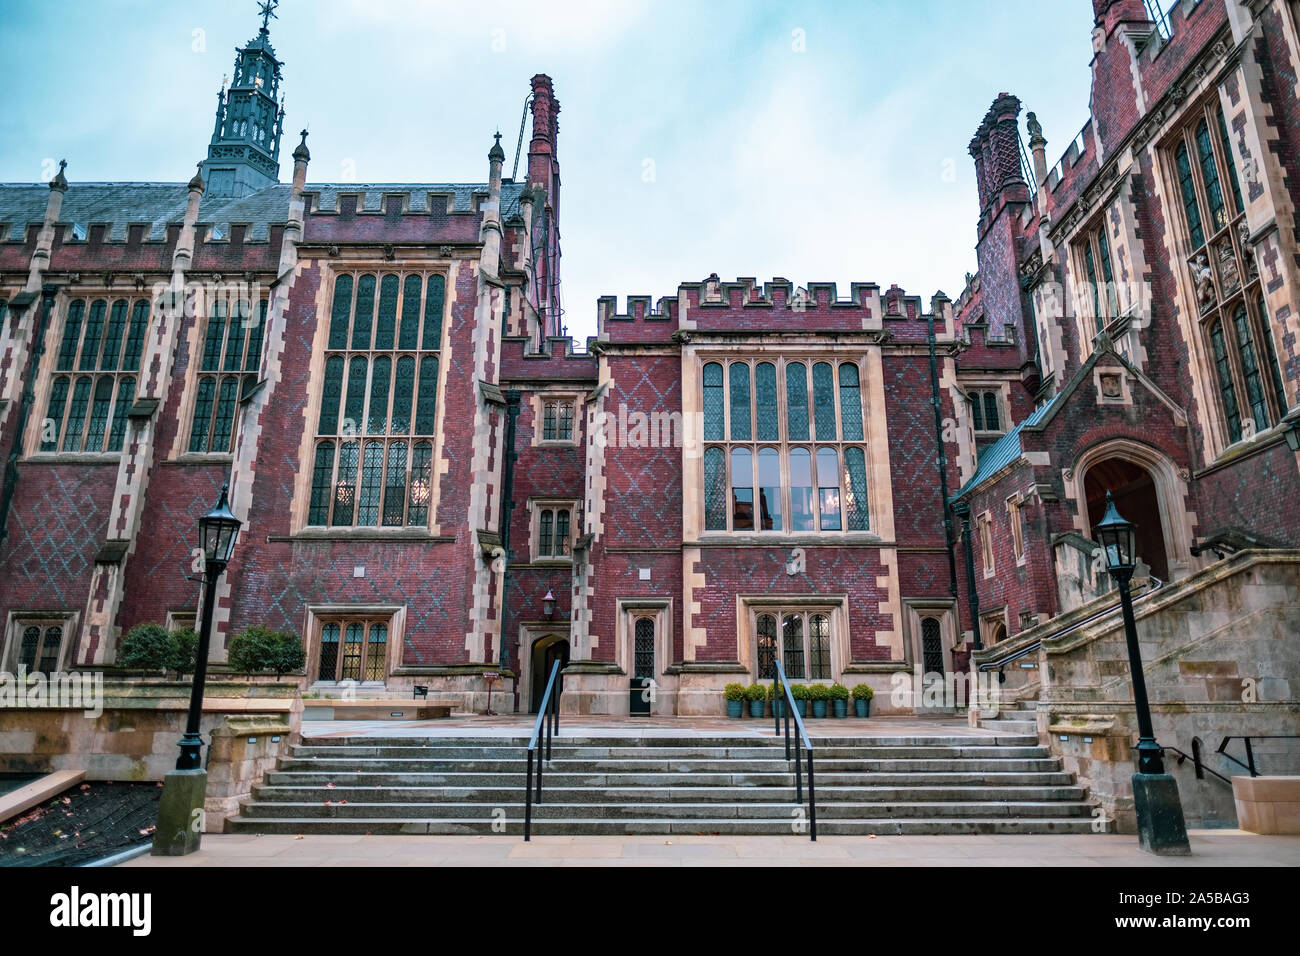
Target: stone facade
column 437, row 483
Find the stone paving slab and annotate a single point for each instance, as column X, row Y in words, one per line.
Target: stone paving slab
column 1222, row 848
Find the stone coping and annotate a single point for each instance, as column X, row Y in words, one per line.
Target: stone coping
column 38, row 791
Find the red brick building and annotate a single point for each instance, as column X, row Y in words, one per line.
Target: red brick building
column 732, row 473
column 1133, row 324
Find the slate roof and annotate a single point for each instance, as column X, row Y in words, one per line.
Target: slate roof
column 161, row 203
column 1003, row 451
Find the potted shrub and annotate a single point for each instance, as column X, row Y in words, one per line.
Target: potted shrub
column 839, row 695
column 862, row 695
column 800, row 694
column 778, row 699
column 819, row 694
column 757, row 695
column 735, row 697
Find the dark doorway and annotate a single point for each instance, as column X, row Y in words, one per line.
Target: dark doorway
column 546, row 651
column 1134, row 491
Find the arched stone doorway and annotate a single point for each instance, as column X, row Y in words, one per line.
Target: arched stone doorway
column 546, row 651
column 1136, row 497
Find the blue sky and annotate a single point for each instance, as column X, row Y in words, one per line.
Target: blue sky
column 818, row 142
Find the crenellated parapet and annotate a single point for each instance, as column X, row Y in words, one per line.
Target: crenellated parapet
column 778, row 306
column 556, row 362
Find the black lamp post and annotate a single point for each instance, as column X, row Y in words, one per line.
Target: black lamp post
column 218, row 530
column 180, row 811
column 1161, row 828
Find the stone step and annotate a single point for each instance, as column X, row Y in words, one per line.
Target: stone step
column 549, row 810
column 496, row 796
column 766, row 740
column 651, row 753
column 557, row 765
column 775, row 778
column 633, row 827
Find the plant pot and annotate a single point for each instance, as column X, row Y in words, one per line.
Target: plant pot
column 863, row 707
column 841, row 708
column 819, row 708
column 735, row 708
column 756, row 708
column 803, row 707
column 778, row 708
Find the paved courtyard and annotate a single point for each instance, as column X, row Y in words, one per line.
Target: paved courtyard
column 1220, row 848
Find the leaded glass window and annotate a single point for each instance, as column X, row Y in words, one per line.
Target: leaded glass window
column 557, row 421
column 378, row 408
column 819, row 647
column 715, row 490
column 762, row 479
column 1223, row 278
column 932, row 647
column 644, row 648
column 87, row 413
column 850, row 403
column 803, row 644
column 740, row 420
column 713, row 414
column 554, row 532
column 765, row 629
column 792, row 646
column 229, row 361
column 38, row 647
column 855, row 489
column 766, row 402
column 353, row 649
column 824, row 401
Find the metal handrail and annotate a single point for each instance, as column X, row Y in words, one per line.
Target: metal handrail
column 1250, row 752
column 548, row 722
column 1197, row 762
column 1002, row 662
column 801, row 734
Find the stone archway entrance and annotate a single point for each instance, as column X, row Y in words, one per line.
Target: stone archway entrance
column 1137, row 499
column 546, row 651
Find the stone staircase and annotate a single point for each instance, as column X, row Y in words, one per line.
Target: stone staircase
column 658, row 785
column 1021, row 720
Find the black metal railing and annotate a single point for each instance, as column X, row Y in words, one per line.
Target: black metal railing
column 800, row 734
column 548, row 722
column 1197, row 762
column 1249, row 765
column 998, row 663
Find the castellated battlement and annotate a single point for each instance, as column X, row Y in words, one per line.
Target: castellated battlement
column 555, row 362
column 746, row 304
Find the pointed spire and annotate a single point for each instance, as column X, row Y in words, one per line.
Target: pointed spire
column 58, row 182
column 301, row 152
column 496, row 153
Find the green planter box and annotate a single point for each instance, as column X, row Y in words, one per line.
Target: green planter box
column 841, row 708
column 756, row 708
column 735, row 708
column 862, row 707
column 819, row 708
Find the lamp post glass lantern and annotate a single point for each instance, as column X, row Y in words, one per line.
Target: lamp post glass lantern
column 1161, row 828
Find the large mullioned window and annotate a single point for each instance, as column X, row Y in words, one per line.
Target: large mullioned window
column 1225, row 277
column 96, row 370
column 228, row 363
column 373, row 457
column 784, row 448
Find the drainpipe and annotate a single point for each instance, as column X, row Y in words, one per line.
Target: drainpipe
column 507, row 507
column 962, row 510
column 937, row 302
